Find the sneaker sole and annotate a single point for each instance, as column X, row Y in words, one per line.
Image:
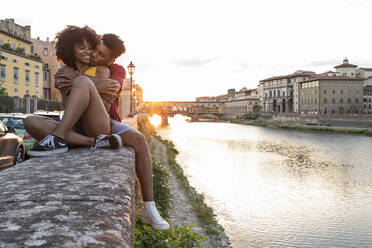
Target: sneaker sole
column 46, row 153
column 155, row 226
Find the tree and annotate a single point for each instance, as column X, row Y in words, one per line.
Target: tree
column 6, row 102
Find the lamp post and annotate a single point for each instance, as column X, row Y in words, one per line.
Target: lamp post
column 131, row 68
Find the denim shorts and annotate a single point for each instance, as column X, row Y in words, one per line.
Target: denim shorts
column 119, row 128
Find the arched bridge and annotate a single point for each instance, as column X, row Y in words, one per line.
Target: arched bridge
column 195, row 110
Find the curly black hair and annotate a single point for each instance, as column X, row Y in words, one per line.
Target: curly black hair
column 68, row 37
column 114, row 43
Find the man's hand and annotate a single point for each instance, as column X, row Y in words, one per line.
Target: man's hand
column 107, row 86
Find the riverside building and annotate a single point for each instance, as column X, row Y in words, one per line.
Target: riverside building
column 333, row 92
column 280, row 93
column 20, row 70
column 241, row 103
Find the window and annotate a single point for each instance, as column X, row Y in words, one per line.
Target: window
column 14, row 46
column 333, row 92
column 352, row 74
column 27, row 77
column 27, row 64
column 4, row 58
column 15, row 90
column 333, row 111
column 325, row 100
column 325, row 91
column 1, row 42
column 46, row 76
column 341, row 100
column 2, row 73
column 333, row 100
column 45, row 51
column 344, row 74
column 36, row 79
column 36, row 66
column 15, row 75
column 349, row 100
column 14, row 61
column 356, row 100
column 31, row 50
column 342, row 92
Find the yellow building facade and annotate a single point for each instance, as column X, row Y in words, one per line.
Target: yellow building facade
column 21, row 73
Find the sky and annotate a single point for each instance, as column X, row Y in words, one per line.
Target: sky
column 190, row 48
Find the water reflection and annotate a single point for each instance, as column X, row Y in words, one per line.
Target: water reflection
column 280, row 188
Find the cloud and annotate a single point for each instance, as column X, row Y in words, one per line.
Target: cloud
column 324, row 62
column 194, row 62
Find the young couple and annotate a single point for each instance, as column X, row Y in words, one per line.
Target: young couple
column 90, row 84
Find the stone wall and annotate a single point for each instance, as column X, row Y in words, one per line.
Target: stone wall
column 357, row 121
column 83, row 198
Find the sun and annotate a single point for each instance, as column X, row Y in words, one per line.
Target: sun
column 155, row 120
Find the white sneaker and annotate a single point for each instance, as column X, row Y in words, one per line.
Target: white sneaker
column 151, row 216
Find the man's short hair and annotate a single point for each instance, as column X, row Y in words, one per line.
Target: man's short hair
column 68, row 37
column 114, row 43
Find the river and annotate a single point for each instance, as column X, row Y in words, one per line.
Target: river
column 279, row 188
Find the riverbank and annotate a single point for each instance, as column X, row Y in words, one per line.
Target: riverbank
column 187, row 206
column 343, row 130
column 192, row 222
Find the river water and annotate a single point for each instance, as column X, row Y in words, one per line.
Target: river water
column 279, row 188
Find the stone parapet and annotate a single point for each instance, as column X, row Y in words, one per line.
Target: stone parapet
column 83, row 198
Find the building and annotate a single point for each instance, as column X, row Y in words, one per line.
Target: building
column 138, row 98
column 124, row 101
column 46, row 50
column 20, row 70
column 280, row 93
column 326, row 94
column 241, row 102
column 367, row 99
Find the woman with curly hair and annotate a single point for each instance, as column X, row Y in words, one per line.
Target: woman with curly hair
column 80, row 97
column 85, row 120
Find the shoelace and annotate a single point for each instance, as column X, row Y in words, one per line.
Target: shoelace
column 47, row 141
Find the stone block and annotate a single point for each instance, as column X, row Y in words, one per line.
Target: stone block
column 83, row 198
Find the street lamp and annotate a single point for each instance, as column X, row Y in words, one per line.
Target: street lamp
column 131, row 68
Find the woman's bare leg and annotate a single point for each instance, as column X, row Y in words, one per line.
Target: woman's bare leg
column 84, row 102
column 39, row 127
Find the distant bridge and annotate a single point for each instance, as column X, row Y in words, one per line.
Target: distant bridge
column 195, row 110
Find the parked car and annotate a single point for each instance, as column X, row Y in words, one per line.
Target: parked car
column 57, row 116
column 12, row 148
column 16, row 120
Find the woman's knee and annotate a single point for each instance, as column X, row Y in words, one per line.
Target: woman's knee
column 82, row 81
column 29, row 123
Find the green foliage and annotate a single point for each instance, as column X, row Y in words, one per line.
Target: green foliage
column 35, row 56
column 174, row 237
column 7, row 46
column 20, row 50
column 144, row 235
column 50, row 105
column 3, row 91
column 146, row 128
column 6, row 102
column 161, row 189
column 250, row 116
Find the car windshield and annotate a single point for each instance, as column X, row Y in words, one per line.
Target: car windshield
column 15, row 122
